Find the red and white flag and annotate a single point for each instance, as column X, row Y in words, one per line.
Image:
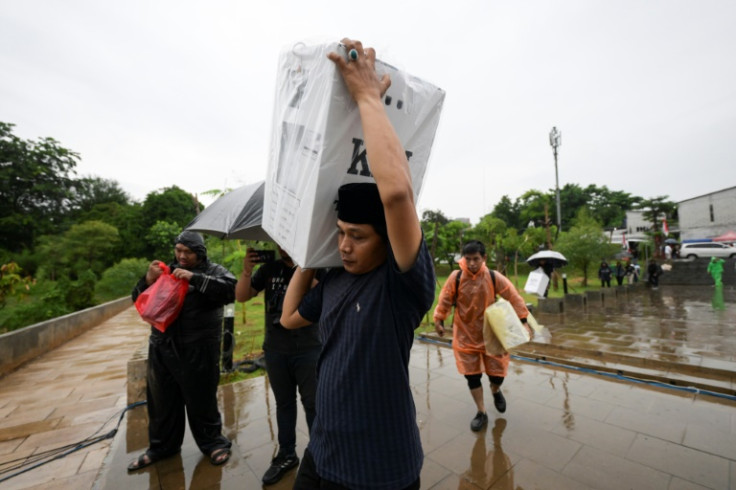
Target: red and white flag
column 624, row 243
column 665, row 228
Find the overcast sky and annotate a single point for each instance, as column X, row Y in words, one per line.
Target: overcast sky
column 180, row 92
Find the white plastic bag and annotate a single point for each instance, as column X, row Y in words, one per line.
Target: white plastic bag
column 537, row 282
column 505, row 325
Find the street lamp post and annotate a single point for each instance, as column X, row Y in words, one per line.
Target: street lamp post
column 555, row 140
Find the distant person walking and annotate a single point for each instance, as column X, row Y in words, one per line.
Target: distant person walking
column 715, row 269
column 654, row 270
column 620, row 272
column 605, row 273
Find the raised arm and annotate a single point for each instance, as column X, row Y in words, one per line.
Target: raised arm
column 243, row 289
column 386, row 156
column 300, row 283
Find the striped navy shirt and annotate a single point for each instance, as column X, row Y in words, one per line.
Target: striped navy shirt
column 365, row 434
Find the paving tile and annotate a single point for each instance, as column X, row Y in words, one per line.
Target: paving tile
column 645, row 423
column 680, row 484
column 597, row 434
column 27, row 429
column 603, row 470
column 529, row 475
column 675, row 459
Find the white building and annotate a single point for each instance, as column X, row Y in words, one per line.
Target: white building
column 707, row 216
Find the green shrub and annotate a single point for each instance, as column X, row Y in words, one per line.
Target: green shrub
column 119, row 280
column 48, row 300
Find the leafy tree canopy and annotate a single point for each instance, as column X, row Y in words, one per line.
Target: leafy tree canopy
column 36, row 187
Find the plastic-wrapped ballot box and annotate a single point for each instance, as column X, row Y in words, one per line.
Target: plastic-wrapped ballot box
column 317, row 145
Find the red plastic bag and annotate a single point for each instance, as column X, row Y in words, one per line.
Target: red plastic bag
column 160, row 304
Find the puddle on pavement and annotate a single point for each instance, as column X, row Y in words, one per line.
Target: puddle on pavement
column 673, row 323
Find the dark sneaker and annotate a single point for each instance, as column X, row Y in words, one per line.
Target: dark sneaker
column 280, row 465
column 480, row 421
column 499, row 401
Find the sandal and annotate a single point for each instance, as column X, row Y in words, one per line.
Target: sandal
column 220, row 456
column 143, row 460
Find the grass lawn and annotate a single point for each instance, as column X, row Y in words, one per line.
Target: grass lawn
column 249, row 319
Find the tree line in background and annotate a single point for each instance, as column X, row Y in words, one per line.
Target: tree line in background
column 69, row 242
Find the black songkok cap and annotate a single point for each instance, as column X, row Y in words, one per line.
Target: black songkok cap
column 194, row 242
column 361, row 204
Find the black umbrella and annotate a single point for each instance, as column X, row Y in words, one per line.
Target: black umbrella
column 671, row 241
column 550, row 256
column 236, row 215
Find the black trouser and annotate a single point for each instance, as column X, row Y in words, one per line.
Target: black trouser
column 287, row 373
column 308, row 479
column 606, row 282
column 183, row 377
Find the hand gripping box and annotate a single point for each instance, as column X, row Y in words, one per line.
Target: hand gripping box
column 317, row 146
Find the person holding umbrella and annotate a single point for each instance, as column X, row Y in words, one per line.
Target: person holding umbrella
column 291, row 355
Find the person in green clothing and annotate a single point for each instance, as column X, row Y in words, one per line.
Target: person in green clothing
column 715, row 269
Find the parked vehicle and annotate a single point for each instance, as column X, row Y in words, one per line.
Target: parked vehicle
column 707, row 249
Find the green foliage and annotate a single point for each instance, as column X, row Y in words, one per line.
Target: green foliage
column 11, row 281
column 160, row 239
column 118, row 280
column 79, row 294
column 35, row 187
column 46, row 300
column 171, row 205
column 89, row 247
column 585, row 244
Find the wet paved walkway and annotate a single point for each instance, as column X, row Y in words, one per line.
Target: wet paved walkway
column 564, row 428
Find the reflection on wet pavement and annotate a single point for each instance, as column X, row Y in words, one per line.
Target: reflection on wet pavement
column 564, row 428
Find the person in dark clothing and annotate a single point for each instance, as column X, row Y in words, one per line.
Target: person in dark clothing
column 620, row 272
column 184, row 361
column 291, row 355
column 549, row 268
column 654, row 270
column 604, row 273
column 365, row 434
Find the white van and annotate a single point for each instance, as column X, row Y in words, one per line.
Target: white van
column 707, row 249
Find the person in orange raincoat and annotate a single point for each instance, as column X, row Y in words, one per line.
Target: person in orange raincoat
column 471, row 295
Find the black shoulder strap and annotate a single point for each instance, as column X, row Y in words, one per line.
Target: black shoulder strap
column 457, row 284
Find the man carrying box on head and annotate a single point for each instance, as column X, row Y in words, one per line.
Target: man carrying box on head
column 365, row 434
column 471, row 290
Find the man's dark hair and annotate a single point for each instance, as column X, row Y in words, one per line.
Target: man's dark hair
column 474, row 246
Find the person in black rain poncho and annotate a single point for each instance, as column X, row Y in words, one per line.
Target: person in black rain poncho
column 184, row 361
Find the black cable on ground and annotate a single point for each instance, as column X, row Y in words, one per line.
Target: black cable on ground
column 34, row 461
column 660, row 384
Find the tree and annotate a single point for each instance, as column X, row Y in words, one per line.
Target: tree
column 88, row 247
column 172, row 205
column 431, row 223
column 652, row 209
column 585, row 243
column 160, row 238
column 35, row 187
column 90, row 191
column 489, row 231
column 508, row 212
column 118, row 280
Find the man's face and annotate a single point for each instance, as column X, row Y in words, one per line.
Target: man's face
column 361, row 248
column 185, row 256
column 474, row 261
